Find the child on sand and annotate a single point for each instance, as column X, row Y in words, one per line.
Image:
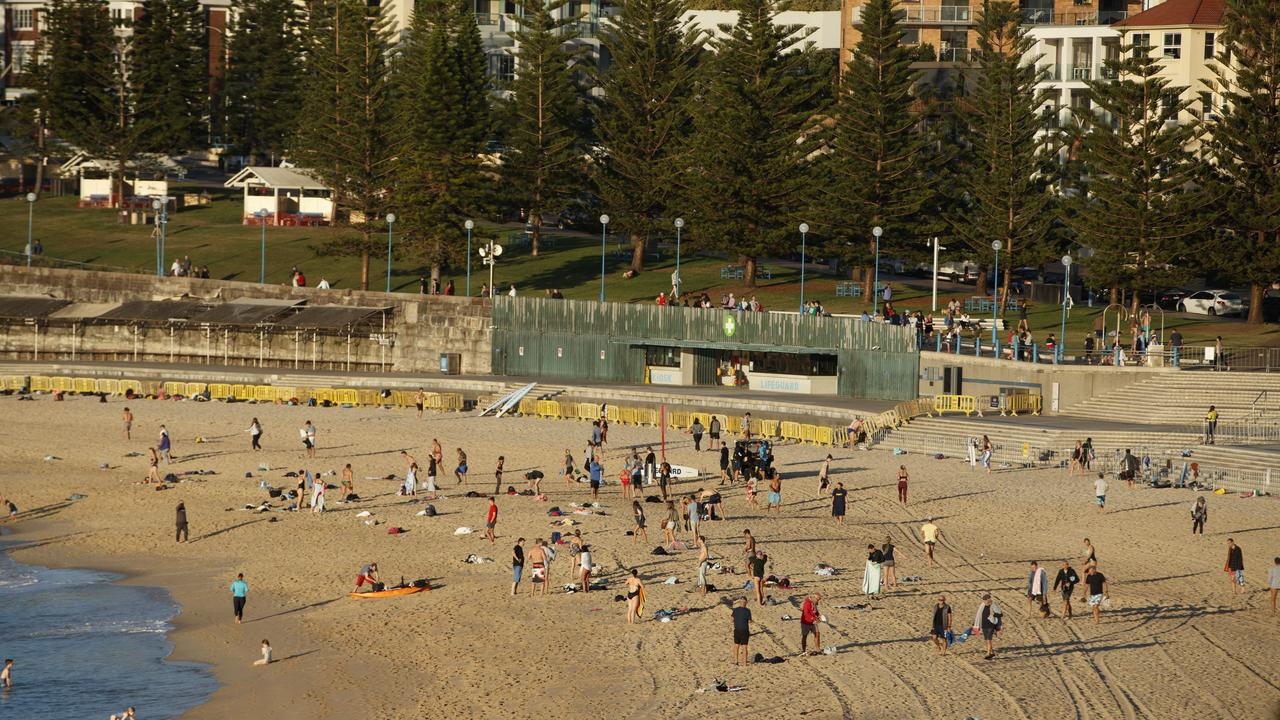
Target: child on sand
column 266, row 654
column 127, row 418
column 348, row 483
column 460, row 472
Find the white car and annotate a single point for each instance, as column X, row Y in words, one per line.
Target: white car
column 1212, row 302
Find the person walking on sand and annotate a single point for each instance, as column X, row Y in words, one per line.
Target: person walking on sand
column 985, row 449
column 460, row 472
column 1100, row 492
column 1066, row 581
column 824, row 474
column 153, row 473
column 1099, row 590
column 180, row 521
column 941, row 625
column 987, row 621
column 348, row 482
column 669, row 527
column 775, row 494
column 1235, row 567
column 126, row 418
column 1210, row 425
column 758, row 561
column 491, row 519
column 497, row 474
column 1199, row 513
column 266, row 654
column 1273, row 581
column 639, row 531
column 838, row 498
column 420, row 399
column 308, row 433
column 255, row 435
column 239, row 593
column 166, row 446
column 517, row 566
column 741, row 631
column 635, row 597
column 1038, row 588
column 725, row 477
column 902, row 484
column 888, row 566
column 871, row 573
column 704, row 562
column 696, row 430
column 1090, row 555
column 568, row 470
column 713, row 432
column 809, row 617
column 930, row 533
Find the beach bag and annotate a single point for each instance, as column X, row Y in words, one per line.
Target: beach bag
column 273, row 492
column 419, row 583
column 378, row 587
column 659, row 551
column 430, row 511
column 555, row 537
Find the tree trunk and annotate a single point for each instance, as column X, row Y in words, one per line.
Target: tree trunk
column 868, row 280
column 535, row 237
column 637, row 252
column 1257, row 293
column 435, row 277
column 1114, row 297
column 1004, row 290
column 364, row 263
column 980, row 285
column 43, row 157
column 749, row 272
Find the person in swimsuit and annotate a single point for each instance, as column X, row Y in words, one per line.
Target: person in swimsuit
column 153, row 474
column 624, row 479
column 838, row 497
column 585, row 567
column 749, row 545
column 704, row 562
column 1090, row 555
column 775, row 494
column 348, row 482
column 758, row 561
column 460, row 472
column 127, row 418
column 538, row 567
column 751, row 493
column 672, row 522
column 888, row 564
column 568, row 467
column 639, row 530
column 902, row 484
column 419, row 400
column 635, row 587
column 437, row 452
column 824, row 473
column 266, row 654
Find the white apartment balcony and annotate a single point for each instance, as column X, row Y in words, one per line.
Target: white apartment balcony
column 1047, row 16
column 960, row 15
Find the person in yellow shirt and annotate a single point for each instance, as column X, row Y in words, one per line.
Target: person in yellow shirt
column 930, row 534
column 1210, row 425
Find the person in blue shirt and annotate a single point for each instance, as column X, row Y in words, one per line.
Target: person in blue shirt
column 597, row 476
column 239, row 591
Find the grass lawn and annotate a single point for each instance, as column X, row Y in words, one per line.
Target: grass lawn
column 214, row 236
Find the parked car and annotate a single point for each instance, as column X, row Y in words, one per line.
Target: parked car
column 1168, row 299
column 1212, row 302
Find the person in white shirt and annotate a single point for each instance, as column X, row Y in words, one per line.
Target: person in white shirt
column 176, row 269
column 324, row 284
column 266, row 654
column 512, row 291
column 1100, row 491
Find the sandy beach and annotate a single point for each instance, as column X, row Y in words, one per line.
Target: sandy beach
column 1175, row 642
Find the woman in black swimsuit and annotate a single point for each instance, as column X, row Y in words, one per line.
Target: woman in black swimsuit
column 634, row 589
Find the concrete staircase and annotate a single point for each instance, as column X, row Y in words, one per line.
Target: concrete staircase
column 1183, row 398
column 1034, row 444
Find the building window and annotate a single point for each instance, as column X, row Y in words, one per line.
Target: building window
column 23, row 52
column 1206, row 103
column 911, row 36
column 502, row 67
column 1173, row 45
column 1210, row 40
column 1141, row 44
column 24, row 19
column 662, row 356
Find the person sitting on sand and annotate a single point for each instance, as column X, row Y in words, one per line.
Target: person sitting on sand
column 368, row 574
column 266, row 654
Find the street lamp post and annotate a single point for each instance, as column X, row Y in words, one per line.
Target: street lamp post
column 995, row 287
column 679, row 226
column 469, row 225
column 31, row 208
column 161, row 206
column 875, row 286
column 1066, row 297
column 804, row 232
column 490, row 252
column 936, row 247
column 262, row 268
column 604, row 230
column 391, row 223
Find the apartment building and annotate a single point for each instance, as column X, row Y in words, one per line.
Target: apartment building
column 1186, row 36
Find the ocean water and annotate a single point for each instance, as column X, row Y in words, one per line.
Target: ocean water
column 85, row 648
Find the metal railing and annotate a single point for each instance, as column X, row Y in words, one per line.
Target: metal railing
column 1047, row 16
column 1240, row 433
column 958, row 55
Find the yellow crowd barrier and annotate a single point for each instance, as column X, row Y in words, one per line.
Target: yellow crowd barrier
column 174, row 388
column 127, row 385
column 83, row 385
column 678, row 420
column 1021, row 402
column 627, row 415
column 284, row 394
column 914, row 408
column 840, row 436
column 344, row 396
column 65, row 384
column 823, row 436
column 152, row 387
column 219, row 391
column 264, row 393
column 368, row 397
column 790, row 430
column 322, row 394
column 808, row 433
column 451, row 402
column 528, row 406
column 12, row 382
column 966, row 404
column 647, row 416
column 587, row 411
column 769, row 428
column 194, row 389
column 613, row 414
column 109, row 386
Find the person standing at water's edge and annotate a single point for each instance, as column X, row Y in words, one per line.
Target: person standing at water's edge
column 180, row 523
column 6, row 675
column 239, row 593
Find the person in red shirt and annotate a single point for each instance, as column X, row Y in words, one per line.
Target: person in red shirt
column 491, row 519
column 809, row 617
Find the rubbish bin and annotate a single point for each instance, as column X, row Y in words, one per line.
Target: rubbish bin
column 450, row 363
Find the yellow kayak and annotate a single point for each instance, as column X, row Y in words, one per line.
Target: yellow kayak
column 395, row 592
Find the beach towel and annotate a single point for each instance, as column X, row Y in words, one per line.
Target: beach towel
column 639, row 598
column 462, row 531
column 871, row 579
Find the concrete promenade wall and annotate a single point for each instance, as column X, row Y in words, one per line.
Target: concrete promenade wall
column 420, row 327
column 984, row 376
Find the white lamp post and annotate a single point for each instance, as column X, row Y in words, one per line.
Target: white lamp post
column 604, row 230
column 875, row 286
column 804, row 233
column 490, row 252
column 162, row 219
column 31, row 208
column 1066, row 295
column 936, row 247
column 679, row 226
column 995, row 311
column 469, row 225
column 391, row 223
column 262, row 269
